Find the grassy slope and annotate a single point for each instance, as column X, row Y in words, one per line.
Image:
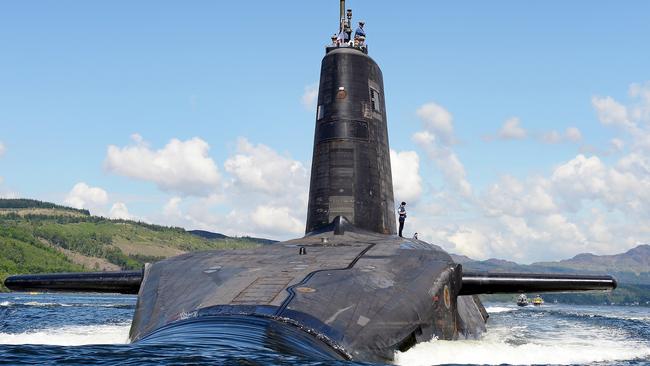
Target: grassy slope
column 22, row 253
column 31, row 233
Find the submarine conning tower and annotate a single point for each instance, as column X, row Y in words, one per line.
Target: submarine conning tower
column 351, row 173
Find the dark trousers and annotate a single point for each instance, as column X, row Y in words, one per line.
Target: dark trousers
column 401, row 224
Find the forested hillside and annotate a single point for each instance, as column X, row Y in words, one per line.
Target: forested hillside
column 43, row 237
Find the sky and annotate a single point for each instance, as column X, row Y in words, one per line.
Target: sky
column 518, row 130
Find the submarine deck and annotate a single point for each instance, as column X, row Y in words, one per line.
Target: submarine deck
column 174, row 288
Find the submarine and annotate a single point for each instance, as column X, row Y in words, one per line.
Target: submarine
column 350, row 289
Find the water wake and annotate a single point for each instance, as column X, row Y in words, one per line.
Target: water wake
column 535, row 337
column 70, row 335
column 499, row 309
column 494, row 352
column 62, row 304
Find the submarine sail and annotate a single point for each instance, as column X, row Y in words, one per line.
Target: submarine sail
column 351, row 174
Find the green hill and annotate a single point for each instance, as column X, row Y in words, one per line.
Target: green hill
column 43, row 237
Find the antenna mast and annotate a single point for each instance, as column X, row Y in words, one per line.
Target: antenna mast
column 341, row 16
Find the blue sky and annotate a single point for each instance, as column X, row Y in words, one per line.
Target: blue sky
column 199, row 115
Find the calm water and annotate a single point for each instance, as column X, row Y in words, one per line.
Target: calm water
column 76, row 329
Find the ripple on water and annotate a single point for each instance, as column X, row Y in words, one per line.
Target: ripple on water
column 94, row 330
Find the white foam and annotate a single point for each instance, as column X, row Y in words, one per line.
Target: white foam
column 36, row 303
column 494, row 350
column 626, row 314
column 498, row 309
column 5, row 303
column 71, row 335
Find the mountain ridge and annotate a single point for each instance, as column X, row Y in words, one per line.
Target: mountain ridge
column 631, row 269
column 636, row 260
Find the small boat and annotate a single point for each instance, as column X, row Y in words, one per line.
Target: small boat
column 522, row 300
column 537, row 301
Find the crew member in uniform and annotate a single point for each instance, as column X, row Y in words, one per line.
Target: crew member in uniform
column 402, row 217
column 360, row 32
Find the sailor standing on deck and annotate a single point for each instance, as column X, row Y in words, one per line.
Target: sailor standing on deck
column 402, row 217
column 343, row 38
column 360, row 32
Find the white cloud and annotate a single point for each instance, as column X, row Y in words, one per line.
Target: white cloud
column 272, row 221
column 559, row 215
column 181, row 166
column 641, row 109
column 260, row 169
column 573, row 134
column 84, row 196
column 552, row 137
column 470, row 242
column 451, row 167
column 276, row 220
column 617, row 144
column 263, row 191
column 194, row 213
column 437, row 120
column 119, row 211
column 512, row 130
column 641, row 91
column 172, row 208
column 137, row 138
column 424, row 138
column 610, row 112
column 269, row 191
column 436, row 140
column 581, row 176
column 309, row 97
column 624, row 187
column 407, row 183
column 96, row 200
column 455, row 172
column 632, row 119
column 584, row 204
column 509, row 196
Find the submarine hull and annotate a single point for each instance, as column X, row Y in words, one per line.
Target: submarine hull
column 363, row 295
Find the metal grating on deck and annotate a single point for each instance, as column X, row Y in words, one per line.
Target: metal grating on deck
column 262, row 291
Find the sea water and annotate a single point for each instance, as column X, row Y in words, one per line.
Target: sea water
column 93, row 329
